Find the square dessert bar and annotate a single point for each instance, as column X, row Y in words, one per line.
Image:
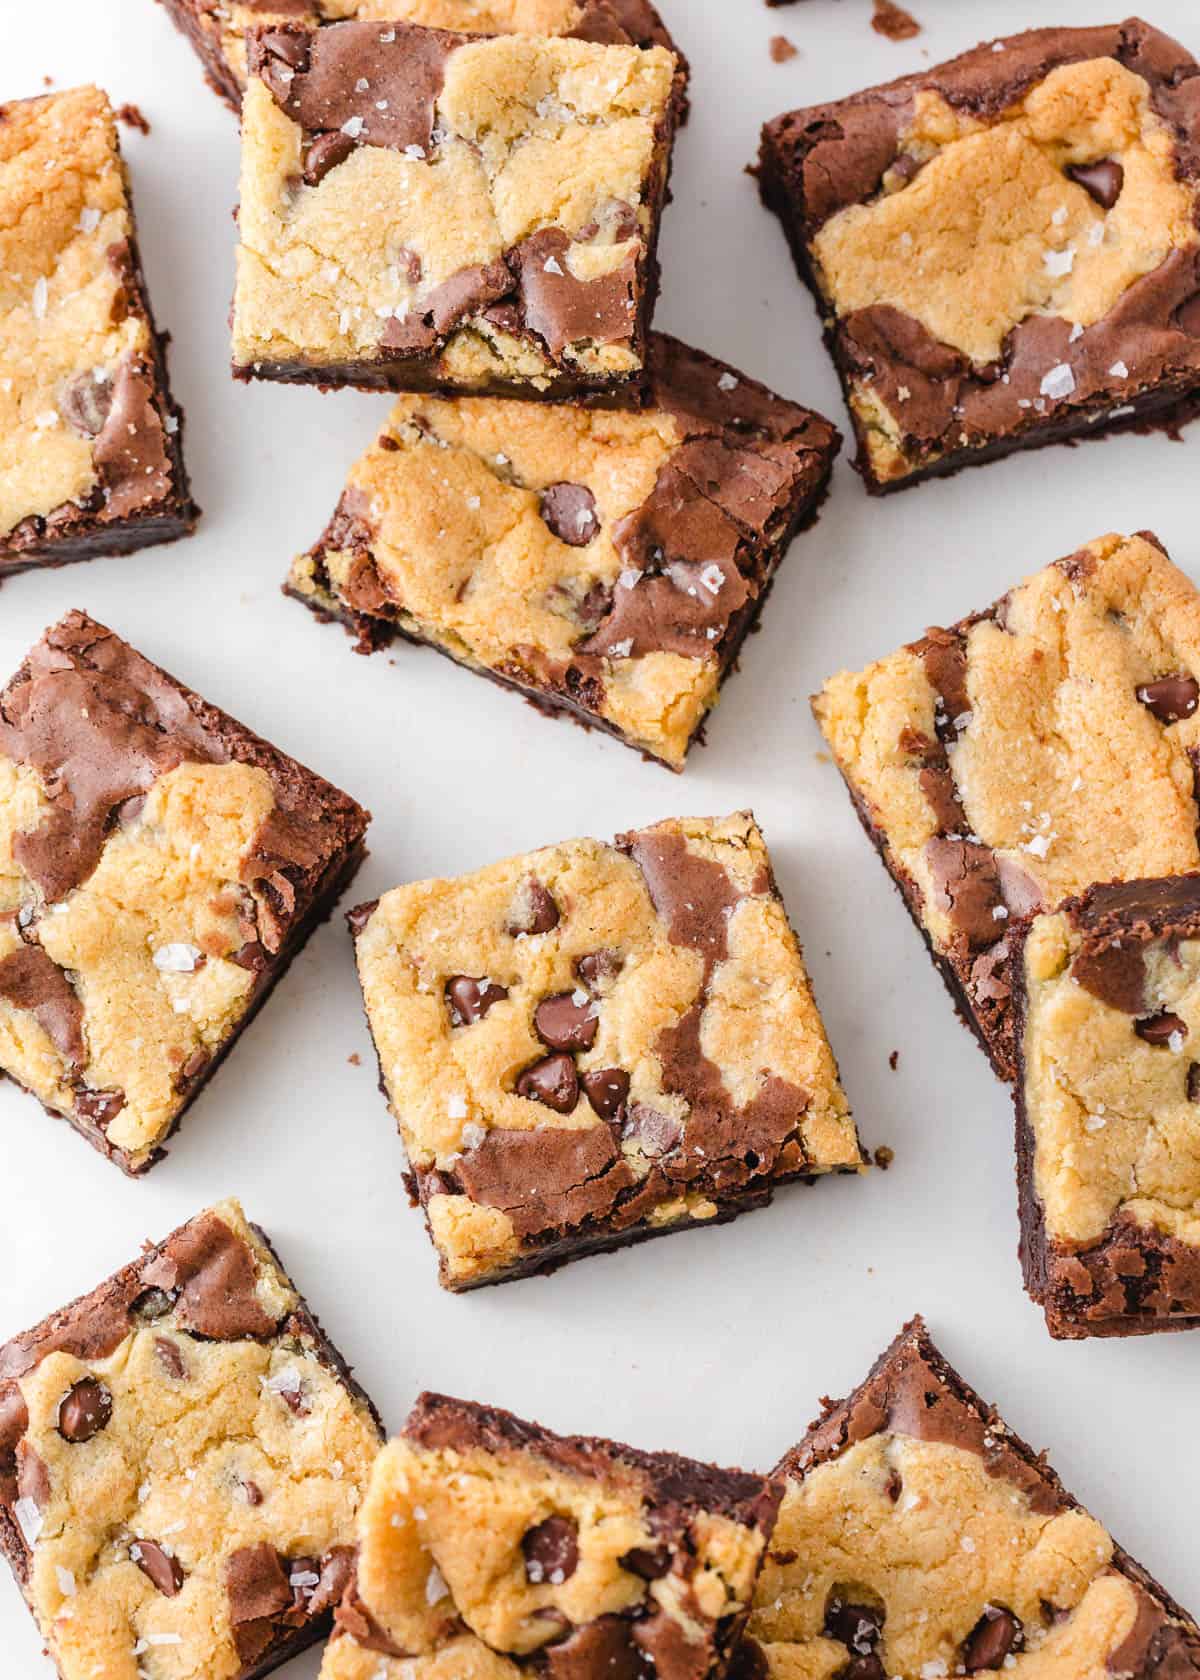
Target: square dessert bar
column 592, row 1045
column 217, row 28
column 159, row 868
column 90, row 441
column 1107, row 999
column 1027, row 752
column 1005, row 249
column 918, row 1536
column 423, row 209
column 490, row 1549
column 608, row 565
column 182, row 1458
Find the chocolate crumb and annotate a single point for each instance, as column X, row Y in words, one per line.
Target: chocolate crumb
column 132, row 117
column 884, row 1156
column 782, row 49
column 894, row 22
column 354, row 1059
column 894, row 1060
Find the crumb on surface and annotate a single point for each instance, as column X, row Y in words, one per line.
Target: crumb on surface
column 894, row 1060
column 884, row 1156
column 354, row 1059
column 894, row 22
column 132, row 117
column 782, row 49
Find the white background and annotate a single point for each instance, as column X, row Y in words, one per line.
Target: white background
column 715, row 1342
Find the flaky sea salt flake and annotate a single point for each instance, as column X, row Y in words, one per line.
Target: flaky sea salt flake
column 1058, row 383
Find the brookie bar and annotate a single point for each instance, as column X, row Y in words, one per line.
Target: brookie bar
column 428, row 210
column 1005, row 249
column 919, row 1537
column 606, row 565
column 159, row 868
column 490, row 1549
column 1026, row 753
column 591, row 1045
column 182, row 1457
column 90, row 442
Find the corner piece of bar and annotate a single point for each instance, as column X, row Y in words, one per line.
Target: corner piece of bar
column 1013, row 760
column 490, row 1548
column 593, row 1044
column 1107, row 992
column 183, row 1454
column 918, row 1536
column 607, row 566
column 160, row 866
column 1005, row 249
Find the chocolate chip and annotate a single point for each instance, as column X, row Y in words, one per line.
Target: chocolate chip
column 534, row 911
column 649, row 1563
column 656, row 1133
column 469, row 1000
column 1170, row 698
column 85, row 1410
column 85, row 402
column 291, row 47
column 158, row 1565
column 170, row 1358
column 598, row 967
column 1160, row 1028
column 100, row 1107
column 1193, row 1082
column 894, row 1485
column 606, row 1089
column 857, row 1626
column 1103, row 181
column 252, row 1492
column 325, row 153
column 570, row 512
column 562, row 1023
column 551, row 1550
column 995, row 1635
column 906, row 167
column 551, row 1081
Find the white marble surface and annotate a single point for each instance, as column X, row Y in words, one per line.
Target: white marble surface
column 717, row 1342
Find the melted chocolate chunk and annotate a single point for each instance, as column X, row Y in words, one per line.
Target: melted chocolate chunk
column 84, row 1411
column 30, row 980
column 966, row 887
column 598, row 967
column 84, row 402
column 606, row 1089
column 693, row 895
column 553, row 1082
column 159, row 1566
column 385, row 89
column 570, row 512
column 563, row 310
column 466, row 293
column 1161, row 1028
column 213, row 1272
column 469, row 1000
column 1102, row 180
column 551, row 1550
column 14, row 1421
column 655, row 1133
column 550, row 1178
column 857, row 1626
column 130, row 450
column 603, row 1647
column 995, row 1636
column 562, row 1023
column 325, row 153
column 1115, row 972
column 1170, row 698
column 534, row 910
column 170, row 1357
column 99, row 1108
column 258, row 1592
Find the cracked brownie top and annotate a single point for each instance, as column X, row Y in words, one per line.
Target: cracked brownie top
column 487, row 202
column 490, row 1549
column 1028, row 752
column 182, row 1458
column 598, row 1035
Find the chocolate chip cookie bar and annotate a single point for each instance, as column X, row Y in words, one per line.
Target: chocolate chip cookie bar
column 595, row 1044
column 217, row 28
column 1005, row 249
column 1026, row 753
column 159, row 868
column 423, row 209
column 607, row 565
column 490, row 1548
column 1107, row 998
column 183, row 1456
column 90, row 456
column 919, row 1537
